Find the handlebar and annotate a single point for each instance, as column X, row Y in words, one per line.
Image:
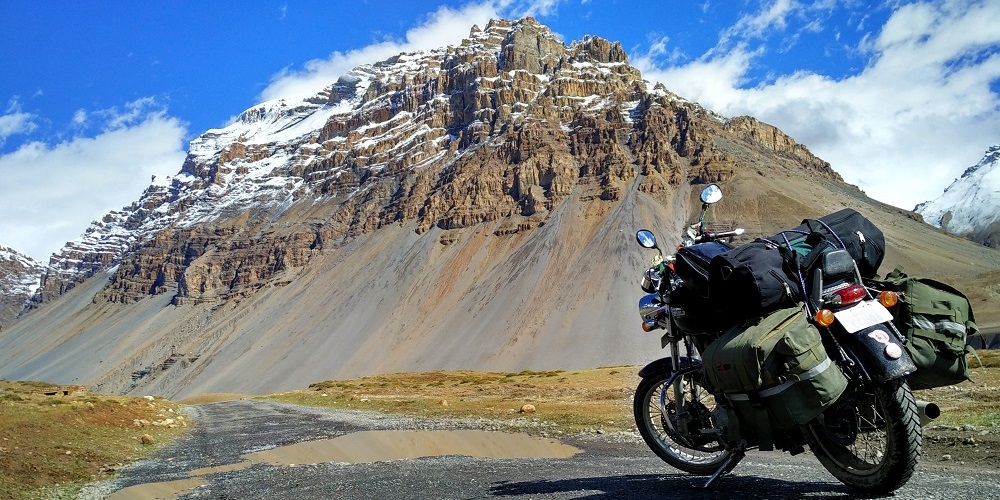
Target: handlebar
column 710, row 236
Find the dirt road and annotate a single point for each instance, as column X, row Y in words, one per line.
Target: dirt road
column 253, row 449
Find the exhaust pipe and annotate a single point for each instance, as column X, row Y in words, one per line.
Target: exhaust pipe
column 927, row 411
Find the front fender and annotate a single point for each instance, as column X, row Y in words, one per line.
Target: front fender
column 870, row 346
column 666, row 365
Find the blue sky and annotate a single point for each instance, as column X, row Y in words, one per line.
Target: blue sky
column 900, row 96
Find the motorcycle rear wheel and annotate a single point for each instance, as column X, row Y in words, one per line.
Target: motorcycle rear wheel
column 871, row 439
column 655, row 402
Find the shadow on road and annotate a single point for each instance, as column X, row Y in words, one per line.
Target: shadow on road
column 665, row 486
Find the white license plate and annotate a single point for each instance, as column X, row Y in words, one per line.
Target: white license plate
column 862, row 316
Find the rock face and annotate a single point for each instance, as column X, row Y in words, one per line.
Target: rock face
column 504, row 126
column 19, row 279
column 468, row 207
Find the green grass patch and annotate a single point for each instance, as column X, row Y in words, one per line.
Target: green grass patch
column 50, row 445
column 566, row 402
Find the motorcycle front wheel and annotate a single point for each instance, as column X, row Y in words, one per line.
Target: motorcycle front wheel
column 871, row 439
column 671, row 425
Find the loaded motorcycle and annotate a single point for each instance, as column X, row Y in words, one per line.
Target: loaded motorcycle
column 836, row 382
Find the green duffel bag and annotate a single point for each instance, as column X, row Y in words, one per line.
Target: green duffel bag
column 936, row 320
column 777, row 364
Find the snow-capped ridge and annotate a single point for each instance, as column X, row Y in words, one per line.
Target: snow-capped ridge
column 971, row 203
column 20, row 277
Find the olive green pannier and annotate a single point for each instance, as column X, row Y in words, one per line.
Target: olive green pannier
column 936, row 320
column 774, row 370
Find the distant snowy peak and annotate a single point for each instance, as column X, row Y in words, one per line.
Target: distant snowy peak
column 10, row 256
column 20, row 277
column 970, row 206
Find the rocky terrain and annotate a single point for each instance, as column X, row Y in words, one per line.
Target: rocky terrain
column 469, row 207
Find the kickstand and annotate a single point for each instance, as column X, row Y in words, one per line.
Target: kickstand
column 730, row 464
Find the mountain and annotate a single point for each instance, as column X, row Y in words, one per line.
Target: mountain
column 470, row 207
column 19, row 279
column 970, row 206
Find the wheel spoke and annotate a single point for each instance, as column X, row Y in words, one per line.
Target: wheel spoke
column 871, row 439
column 662, row 410
column 871, row 442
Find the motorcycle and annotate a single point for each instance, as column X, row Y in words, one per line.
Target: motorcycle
column 869, row 438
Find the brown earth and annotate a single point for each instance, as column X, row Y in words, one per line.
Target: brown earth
column 968, row 432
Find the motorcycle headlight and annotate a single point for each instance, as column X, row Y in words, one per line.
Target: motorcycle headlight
column 651, row 308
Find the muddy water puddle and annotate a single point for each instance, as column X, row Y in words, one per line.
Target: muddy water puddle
column 369, row 447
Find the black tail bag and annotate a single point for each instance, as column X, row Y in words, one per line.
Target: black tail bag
column 754, row 279
column 766, row 275
column 846, row 229
column 692, row 264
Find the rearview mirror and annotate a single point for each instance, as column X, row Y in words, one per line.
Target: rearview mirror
column 711, row 194
column 646, row 238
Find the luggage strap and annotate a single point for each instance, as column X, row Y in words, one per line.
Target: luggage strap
column 761, row 422
column 792, row 379
column 830, row 230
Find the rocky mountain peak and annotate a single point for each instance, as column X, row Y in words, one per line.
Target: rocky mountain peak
column 970, row 206
column 990, row 160
column 19, row 279
column 501, row 127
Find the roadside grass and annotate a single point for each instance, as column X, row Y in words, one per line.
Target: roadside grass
column 565, row 402
column 975, row 401
column 50, row 445
column 580, row 401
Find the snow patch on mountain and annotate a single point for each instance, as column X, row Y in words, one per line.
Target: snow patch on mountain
column 282, row 138
column 972, row 202
column 20, row 275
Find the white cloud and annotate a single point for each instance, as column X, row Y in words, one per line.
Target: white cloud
column 15, row 121
column 134, row 112
column 539, row 8
column 758, row 24
column 80, row 117
column 445, row 26
column 50, row 194
column 904, row 127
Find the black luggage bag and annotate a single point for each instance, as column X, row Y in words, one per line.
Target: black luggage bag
column 754, row 279
column 692, row 264
column 845, row 229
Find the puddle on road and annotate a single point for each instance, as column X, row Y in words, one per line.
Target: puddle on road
column 154, row 491
column 378, row 446
column 368, row 447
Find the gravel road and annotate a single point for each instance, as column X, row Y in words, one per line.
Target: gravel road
column 210, row 462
